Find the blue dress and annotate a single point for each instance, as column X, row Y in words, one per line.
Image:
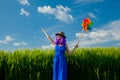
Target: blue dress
column 59, row 64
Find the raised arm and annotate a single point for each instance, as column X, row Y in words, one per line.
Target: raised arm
column 47, row 36
column 71, row 52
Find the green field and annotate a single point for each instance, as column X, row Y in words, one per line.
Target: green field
column 84, row 64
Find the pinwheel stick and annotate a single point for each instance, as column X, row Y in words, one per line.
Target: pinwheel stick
column 80, row 37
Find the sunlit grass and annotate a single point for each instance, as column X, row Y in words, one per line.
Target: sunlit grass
column 36, row 64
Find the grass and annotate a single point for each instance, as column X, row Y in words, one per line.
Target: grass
column 84, row 64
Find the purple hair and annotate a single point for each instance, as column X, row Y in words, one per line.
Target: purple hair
column 61, row 41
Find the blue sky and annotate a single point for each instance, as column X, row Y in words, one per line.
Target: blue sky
column 21, row 22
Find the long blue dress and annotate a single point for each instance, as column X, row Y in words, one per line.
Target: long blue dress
column 59, row 64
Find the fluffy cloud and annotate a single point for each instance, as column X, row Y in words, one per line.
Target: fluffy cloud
column 92, row 15
column 24, row 12
column 47, row 46
column 24, row 2
column 46, row 10
column 109, row 33
column 60, row 12
column 6, row 40
column 19, row 43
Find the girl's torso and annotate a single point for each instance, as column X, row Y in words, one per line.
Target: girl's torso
column 60, row 50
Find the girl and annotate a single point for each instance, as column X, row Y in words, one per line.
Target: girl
column 59, row 61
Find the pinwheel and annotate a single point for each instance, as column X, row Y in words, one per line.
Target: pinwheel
column 86, row 24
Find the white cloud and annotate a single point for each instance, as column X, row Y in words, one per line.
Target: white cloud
column 46, row 10
column 60, row 12
column 24, row 12
column 72, row 44
column 6, row 40
column 92, row 15
column 108, row 33
column 19, row 43
column 47, row 46
column 24, row 2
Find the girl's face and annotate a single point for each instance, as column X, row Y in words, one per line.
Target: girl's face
column 58, row 37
